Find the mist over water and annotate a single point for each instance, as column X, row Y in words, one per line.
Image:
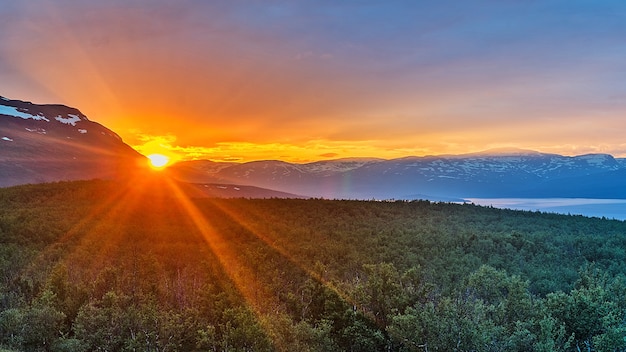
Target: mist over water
column 608, row 208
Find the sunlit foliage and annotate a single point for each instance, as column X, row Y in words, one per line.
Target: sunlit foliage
column 109, row 266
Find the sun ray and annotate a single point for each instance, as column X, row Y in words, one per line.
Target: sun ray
column 235, row 214
column 258, row 296
column 106, row 212
column 102, row 240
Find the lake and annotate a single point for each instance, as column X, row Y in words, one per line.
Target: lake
column 609, row 208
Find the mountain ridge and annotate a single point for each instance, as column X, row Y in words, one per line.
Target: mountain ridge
column 42, row 143
column 52, row 142
column 499, row 173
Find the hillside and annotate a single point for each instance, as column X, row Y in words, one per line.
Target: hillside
column 50, row 142
column 140, row 266
column 491, row 174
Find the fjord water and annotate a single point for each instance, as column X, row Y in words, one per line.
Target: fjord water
column 608, row 208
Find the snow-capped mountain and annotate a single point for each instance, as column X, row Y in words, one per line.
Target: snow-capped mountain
column 495, row 173
column 42, row 143
column 327, row 168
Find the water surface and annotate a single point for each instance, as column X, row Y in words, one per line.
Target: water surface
column 609, row 208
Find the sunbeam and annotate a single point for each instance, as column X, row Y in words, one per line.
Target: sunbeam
column 258, row 296
column 274, row 243
column 145, row 238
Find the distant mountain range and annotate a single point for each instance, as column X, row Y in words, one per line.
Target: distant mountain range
column 43, row 143
column 491, row 174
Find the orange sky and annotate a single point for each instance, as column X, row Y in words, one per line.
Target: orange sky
column 302, row 81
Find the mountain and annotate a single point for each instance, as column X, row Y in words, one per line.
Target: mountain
column 43, row 143
column 317, row 179
column 493, row 173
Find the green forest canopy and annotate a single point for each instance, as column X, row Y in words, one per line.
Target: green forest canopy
column 112, row 266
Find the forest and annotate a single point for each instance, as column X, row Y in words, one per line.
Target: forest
column 144, row 265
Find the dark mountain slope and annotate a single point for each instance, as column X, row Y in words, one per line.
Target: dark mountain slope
column 42, row 143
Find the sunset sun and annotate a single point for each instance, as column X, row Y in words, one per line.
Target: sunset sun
column 158, row 161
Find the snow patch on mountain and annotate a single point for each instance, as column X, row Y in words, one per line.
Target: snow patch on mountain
column 598, row 160
column 70, row 120
column 36, row 130
column 21, row 113
column 337, row 165
column 7, row 139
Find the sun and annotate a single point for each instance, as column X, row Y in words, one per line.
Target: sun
column 158, row 161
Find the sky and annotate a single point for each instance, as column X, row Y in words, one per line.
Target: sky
column 313, row 80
